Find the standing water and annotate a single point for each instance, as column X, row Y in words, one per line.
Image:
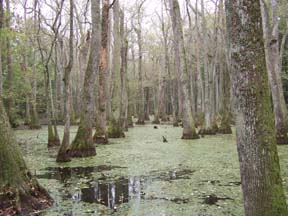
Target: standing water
column 142, row 175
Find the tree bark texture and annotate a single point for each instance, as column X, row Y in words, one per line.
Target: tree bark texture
column 256, row 140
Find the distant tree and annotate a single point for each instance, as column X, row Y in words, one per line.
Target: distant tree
column 83, row 145
column 189, row 131
column 123, row 118
column 161, row 112
column 208, row 79
column 138, row 30
column 63, row 153
column 224, row 77
column 115, row 129
column 101, row 135
column 46, row 56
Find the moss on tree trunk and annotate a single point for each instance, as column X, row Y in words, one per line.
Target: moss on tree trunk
column 83, row 145
column 115, row 129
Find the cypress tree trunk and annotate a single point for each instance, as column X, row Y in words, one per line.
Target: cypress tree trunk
column 208, row 129
column 141, row 95
column 141, row 105
column 213, row 85
column 200, row 87
column 225, row 82
column 19, row 192
column 147, row 103
column 174, row 101
column 110, row 72
column 130, row 109
column 189, row 131
column 34, row 122
column 225, row 126
column 101, row 135
column 84, row 50
column 134, row 104
column 192, row 80
column 83, row 145
column 63, row 153
column 61, row 58
column 123, row 120
column 58, row 96
column 53, row 138
column 160, row 112
column 115, row 129
column 256, row 140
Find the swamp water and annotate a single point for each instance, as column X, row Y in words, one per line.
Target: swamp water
column 141, row 175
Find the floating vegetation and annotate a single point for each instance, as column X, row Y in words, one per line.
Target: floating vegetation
column 141, row 175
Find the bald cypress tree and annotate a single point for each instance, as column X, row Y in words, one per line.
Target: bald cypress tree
column 115, row 129
column 256, row 140
column 83, row 144
column 189, row 131
column 101, row 134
